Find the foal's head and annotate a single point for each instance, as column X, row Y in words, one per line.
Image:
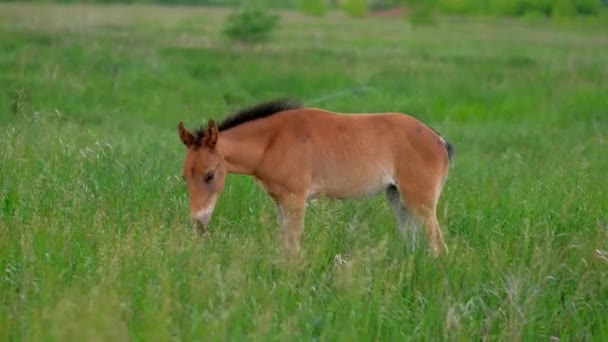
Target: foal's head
column 204, row 171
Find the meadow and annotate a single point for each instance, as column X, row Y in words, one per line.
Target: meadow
column 95, row 242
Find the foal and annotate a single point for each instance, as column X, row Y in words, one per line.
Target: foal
column 298, row 153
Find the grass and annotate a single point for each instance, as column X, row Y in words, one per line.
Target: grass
column 94, row 238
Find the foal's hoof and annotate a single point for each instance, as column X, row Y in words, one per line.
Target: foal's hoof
column 440, row 250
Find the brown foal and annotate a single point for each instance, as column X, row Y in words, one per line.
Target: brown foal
column 297, row 154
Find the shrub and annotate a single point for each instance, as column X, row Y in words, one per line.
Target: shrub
column 462, row 6
column 563, row 8
column 547, row 7
column 354, row 8
column 421, row 11
column 588, row 7
column 250, row 25
column 384, row 4
column 528, row 8
column 313, row 7
column 421, row 15
column 533, row 16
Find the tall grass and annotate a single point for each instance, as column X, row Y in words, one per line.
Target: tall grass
column 94, row 235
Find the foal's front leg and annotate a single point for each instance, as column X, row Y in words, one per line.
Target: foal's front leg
column 290, row 211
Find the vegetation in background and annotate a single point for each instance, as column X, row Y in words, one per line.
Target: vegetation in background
column 384, row 4
column 95, row 242
column 354, row 8
column 313, row 7
column 517, row 7
column 250, row 25
column 421, row 8
column 421, row 11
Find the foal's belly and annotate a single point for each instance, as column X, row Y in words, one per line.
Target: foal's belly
column 350, row 185
column 352, row 158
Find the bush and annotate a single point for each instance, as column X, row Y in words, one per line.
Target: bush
column 588, row 7
column 563, row 8
column 421, row 11
column 385, row 4
column 521, row 7
column 421, row 15
column 547, row 7
column 354, row 8
column 463, row 6
column 250, row 25
column 528, row 8
column 313, row 7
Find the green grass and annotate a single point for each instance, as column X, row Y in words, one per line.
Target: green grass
column 94, row 235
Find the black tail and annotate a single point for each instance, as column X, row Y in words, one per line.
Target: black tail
column 450, row 148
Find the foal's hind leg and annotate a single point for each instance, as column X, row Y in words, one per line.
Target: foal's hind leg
column 407, row 226
column 433, row 231
column 421, row 198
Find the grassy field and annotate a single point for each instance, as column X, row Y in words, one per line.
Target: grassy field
column 94, row 235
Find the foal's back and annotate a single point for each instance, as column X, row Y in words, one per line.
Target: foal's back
column 353, row 155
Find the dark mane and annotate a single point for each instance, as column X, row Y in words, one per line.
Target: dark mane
column 258, row 111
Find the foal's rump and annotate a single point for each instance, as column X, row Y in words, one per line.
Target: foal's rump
column 360, row 154
column 378, row 133
column 422, row 137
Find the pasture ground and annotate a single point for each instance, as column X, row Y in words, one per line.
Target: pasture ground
column 94, row 242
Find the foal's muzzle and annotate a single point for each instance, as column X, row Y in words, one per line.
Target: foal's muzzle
column 201, row 227
column 202, row 216
column 201, row 220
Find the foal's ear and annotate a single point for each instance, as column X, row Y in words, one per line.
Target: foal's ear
column 211, row 134
column 186, row 137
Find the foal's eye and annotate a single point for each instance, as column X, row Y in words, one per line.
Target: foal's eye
column 209, row 176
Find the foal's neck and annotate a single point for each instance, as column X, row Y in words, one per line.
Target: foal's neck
column 243, row 147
